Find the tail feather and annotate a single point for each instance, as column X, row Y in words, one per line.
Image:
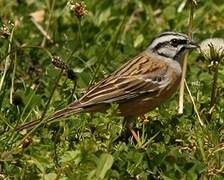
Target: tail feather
column 71, row 109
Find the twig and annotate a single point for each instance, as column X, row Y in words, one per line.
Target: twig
column 40, row 28
column 193, row 102
column 48, row 24
column 181, row 95
column 184, row 69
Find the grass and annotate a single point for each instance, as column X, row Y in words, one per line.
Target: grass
column 84, row 146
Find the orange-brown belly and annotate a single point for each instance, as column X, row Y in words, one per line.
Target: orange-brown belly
column 146, row 103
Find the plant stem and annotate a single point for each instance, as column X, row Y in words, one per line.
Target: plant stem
column 194, row 105
column 52, row 93
column 51, row 8
column 112, row 40
column 13, row 79
column 7, row 60
column 214, row 92
column 184, row 68
column 80, row 32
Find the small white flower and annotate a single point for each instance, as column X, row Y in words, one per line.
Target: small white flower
column 216, row 43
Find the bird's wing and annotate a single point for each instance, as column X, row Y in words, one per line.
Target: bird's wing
column 143, row 74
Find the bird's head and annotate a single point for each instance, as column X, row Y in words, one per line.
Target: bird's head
column 172, row 45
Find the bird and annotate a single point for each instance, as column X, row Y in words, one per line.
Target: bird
column 139, row 86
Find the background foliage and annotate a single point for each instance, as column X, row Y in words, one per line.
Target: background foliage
column 85, row 147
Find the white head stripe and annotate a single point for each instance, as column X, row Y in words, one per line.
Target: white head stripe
column 165, row 38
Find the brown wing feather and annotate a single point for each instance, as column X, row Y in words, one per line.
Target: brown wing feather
column 137, row 76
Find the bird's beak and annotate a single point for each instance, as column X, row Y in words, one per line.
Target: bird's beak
column 192, row 45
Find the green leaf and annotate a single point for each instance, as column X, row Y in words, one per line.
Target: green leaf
column 50, row 176
column 104, row 16
column 71, row 155
column 139, row 39
column 104, row 164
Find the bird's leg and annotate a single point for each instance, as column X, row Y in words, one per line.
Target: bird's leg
column 129, row 123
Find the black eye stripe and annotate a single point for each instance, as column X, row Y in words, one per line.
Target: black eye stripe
column 179, row 41
column 182, row 41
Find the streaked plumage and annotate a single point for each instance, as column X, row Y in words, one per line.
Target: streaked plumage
column 138, row 86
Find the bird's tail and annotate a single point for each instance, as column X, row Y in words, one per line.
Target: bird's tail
column 71, row 109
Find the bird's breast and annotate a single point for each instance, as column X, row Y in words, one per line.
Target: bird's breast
column 149, row 101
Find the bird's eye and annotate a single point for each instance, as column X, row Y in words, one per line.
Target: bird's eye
column 174, row 42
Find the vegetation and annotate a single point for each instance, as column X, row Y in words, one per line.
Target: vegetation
column 93, row 41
